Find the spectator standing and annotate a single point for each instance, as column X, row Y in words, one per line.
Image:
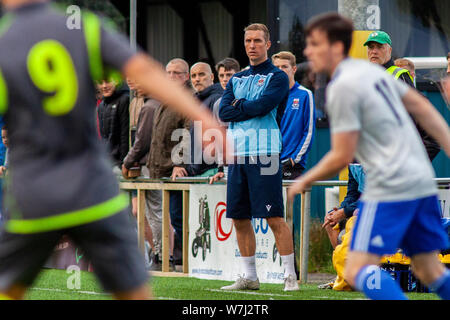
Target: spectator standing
column 113, row 114
column 202, row 80
column 136, row 104
column 297, row 124
column 160, row 162
column 137, row 156
column 255, row 100
column 225, row 70
column 379, row 51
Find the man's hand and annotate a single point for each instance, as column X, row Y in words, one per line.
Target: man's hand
column 124, row 172
column 333, row 217
column 288, row 165
column 178, row 172
column 216, row 177
column 2, row 170
column 327, row 219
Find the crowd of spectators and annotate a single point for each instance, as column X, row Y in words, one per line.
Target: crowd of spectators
column 138, row 131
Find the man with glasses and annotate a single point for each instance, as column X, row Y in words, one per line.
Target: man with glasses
column 160, row 162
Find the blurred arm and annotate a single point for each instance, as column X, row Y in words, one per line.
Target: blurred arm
column 154, row 82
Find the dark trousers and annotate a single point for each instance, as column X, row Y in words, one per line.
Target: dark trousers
column 292, row 172
column 176, row 219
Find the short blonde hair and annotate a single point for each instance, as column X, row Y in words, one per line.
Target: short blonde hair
column 259, row 27
column 285, row 55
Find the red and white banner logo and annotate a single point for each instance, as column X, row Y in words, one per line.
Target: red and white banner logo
column 219, row 212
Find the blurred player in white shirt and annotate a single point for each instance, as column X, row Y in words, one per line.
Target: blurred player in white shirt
column 368, row 112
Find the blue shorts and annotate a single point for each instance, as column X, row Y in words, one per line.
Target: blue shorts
column 253, row 194
column 415, row 226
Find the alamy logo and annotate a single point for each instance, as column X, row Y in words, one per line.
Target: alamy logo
column 209, row 146
column 73, row 17
column 373, row 20
column 74, row 280
column 373, row 280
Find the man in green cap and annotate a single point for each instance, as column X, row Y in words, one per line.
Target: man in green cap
column 379, row 47
column 379, row 51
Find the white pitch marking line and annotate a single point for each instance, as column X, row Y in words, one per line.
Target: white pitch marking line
column 70, row 291
column 329, row 298
column 89, row 292
column 254, row 293
column 165, row 298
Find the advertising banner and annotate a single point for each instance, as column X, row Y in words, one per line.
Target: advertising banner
column 213, row 248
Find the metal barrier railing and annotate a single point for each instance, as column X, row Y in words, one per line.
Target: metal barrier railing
column 182, row 184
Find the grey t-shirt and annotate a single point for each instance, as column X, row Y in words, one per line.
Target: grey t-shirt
column 363, row 97
column 57, row 163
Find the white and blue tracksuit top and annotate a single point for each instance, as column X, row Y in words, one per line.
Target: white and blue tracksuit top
column 297, row 125
column 261, row 93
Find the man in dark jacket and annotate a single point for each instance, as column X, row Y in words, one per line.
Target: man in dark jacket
column 202, row 79
column 379, row 50
column 114, row 120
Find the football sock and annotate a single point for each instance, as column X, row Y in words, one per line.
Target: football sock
column 442, row 285
column 288, row 264
column 249, row 264
column 377, row 284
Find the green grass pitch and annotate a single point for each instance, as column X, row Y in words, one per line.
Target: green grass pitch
column 52, row 285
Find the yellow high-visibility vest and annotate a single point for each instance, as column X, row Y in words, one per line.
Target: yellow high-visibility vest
column 397, row 72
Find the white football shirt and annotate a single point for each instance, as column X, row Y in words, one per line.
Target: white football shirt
column 363, row 97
